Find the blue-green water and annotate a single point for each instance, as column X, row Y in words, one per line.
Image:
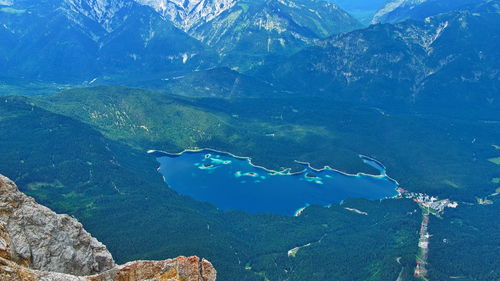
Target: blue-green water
column 232, row 183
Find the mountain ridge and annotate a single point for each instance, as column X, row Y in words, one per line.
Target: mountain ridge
column 401, row 10
column 126, row 40
column 441, row 60
column 120, row 40
column 251, row 32
column 187, row 14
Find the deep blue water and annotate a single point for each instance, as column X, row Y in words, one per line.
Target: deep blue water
column 232, row 183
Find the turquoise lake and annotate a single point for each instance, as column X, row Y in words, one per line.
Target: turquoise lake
column 233, row 183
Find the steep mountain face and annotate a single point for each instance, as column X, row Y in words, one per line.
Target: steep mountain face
column 36, row 237
column 400, row 10
column 38, row 244
column 97, row 38
column 244, row 32
column 150, row 46
column 450, row 58
column 120, row 39
column 250, row 30
column 186, row 14
column 103, row 12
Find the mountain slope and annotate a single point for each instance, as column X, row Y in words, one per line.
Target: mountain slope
column 99, row 38
column 313, row 129
column 145, row 45
column 216, row 82
column 250, row 30
column 190, row 13
column 123, row 40
column 448, row 59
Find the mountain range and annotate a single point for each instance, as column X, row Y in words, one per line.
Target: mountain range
column 250, row 31
column 449, row 58
column 79, row 40
column 285, row 46
column 74, row 41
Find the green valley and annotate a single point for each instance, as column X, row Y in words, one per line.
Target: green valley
column 118, row 183
column 274, row 132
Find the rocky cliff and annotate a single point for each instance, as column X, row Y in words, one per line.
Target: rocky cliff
column 38, row 244
column 188, row 13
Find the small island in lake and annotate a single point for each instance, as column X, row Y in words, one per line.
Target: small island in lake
column 311, row 176
column 218, row 179
column 207, row 166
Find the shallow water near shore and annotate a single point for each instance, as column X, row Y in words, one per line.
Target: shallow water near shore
column 233, row 183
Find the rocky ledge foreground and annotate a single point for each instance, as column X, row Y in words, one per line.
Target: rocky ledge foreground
column 38, row 244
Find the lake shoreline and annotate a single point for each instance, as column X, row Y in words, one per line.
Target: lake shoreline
column 286, row 171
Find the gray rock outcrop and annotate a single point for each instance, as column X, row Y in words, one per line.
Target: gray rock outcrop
column 37, row 237
column 37, row 244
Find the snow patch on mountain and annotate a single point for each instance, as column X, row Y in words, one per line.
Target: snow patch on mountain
column 100, row 11
column 186, row 14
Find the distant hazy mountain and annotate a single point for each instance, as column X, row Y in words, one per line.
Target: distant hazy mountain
column 400, row 10
column 450, row 58
column 363, row 10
